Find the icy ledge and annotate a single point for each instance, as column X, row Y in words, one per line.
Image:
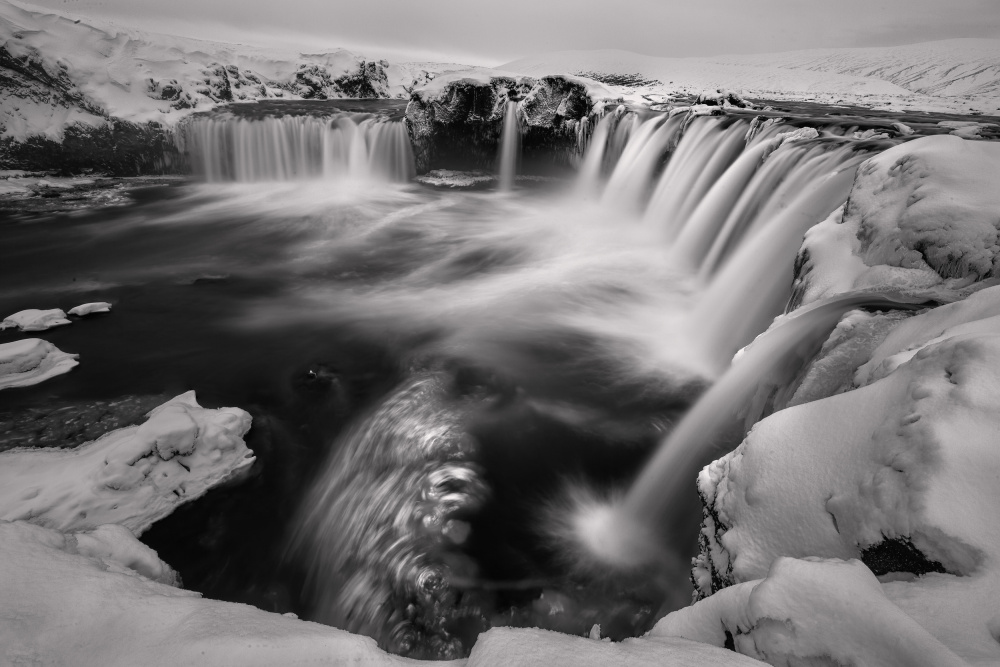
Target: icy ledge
column 30, row 361
column 131, row 477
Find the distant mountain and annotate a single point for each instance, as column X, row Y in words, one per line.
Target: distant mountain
column 956, row 75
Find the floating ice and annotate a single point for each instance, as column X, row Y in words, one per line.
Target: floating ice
column 33, row 319
column 88, row 308
column 30, row 361
column 132, row 476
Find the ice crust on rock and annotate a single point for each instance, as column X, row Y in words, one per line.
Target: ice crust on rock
column 132, row 476
column 921, row 218
column 33, row 319
column 910, row 454
column 30, row 361
column 88, row 308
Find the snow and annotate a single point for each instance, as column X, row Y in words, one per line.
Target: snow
column 35, row 320
column 921, row 218
column 89, row 308
column 531, row 647
column 30, row 361
column 132, row 476
column 811, row 612
column 67, row 605
column 92, row 69
column 101, row 598
column 953, row 75
column 911, row 454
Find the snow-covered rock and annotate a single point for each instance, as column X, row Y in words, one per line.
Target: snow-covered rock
column 921, row 218
column 132, row 476
column 811, row 612
column 27, row 362
column 33, row 319
column 88, row 308
column 902, row 473
column 78, row 93
column 531, row 647
column 101, row 598
column 69, row 600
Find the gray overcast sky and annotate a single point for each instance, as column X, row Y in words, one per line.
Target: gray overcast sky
column 493, row 32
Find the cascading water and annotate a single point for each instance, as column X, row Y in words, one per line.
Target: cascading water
column 510, row 147
column 685, row 258
column 626, row 534
column 285, row 148
column 734, row 202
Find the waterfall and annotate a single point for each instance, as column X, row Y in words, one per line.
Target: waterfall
column 510, row 147
column 625, row 534
column 285, row 148
column 732, row 204
column 593, row 163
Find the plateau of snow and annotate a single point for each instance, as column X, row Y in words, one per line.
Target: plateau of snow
column 960, row 75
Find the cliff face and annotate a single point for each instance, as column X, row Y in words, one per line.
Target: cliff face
column 455, row 121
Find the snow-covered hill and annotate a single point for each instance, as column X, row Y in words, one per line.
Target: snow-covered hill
column 56, row 70
column 961, row 75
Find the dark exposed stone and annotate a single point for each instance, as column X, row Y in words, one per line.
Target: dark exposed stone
column 460, row 126
column 898, row 555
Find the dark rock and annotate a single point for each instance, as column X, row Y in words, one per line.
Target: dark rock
column 459, row 125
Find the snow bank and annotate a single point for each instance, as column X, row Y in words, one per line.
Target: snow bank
column 66, row 602
column 921, row 218
column 132, row 476
column 88, row 599
column 530, row 647
column 27, row 362
column 88, row 308
column 902, row 473
column 811, row 612
column 35, row 320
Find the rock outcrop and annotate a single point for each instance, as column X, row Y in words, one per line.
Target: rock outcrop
column 455, row 121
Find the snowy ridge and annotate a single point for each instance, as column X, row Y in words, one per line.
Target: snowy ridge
column 960, row 75
column 56, row 70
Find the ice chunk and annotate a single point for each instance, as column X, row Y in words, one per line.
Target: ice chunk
column 88, row 308
column 35, row 320
column 132, row 476
column 27, row 362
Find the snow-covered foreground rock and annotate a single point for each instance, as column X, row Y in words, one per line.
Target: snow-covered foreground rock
column 87, row 599
column 900, row 472
column 132, row 476
column 27, row 362
column 921, row 218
